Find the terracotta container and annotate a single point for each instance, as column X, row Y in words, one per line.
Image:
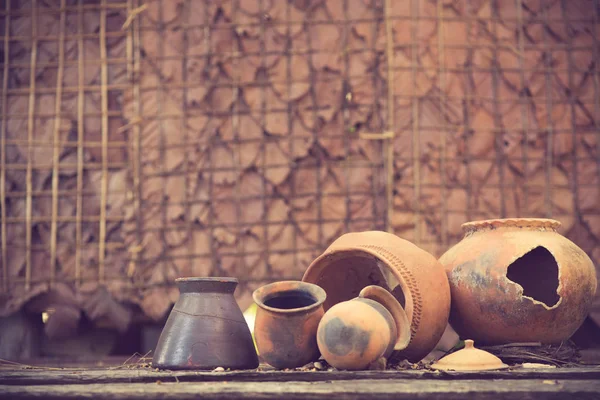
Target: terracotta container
column 206, row 329
column 356, row 333
column 518, row 280
column 415, row 277
column 469, row 358
column 286, row 323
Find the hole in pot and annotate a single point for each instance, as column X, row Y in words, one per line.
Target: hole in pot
column 290, row 299
column 537, row 273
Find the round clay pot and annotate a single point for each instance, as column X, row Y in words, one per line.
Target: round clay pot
column 412, row 275
column 205, row 329
column 286, row 322
column 518, row 280
column 354, row 334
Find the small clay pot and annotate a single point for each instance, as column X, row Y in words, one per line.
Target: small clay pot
column 412, row 275
column 356, row 333
column 205, row 329
column 286, row 322
column 518, row 280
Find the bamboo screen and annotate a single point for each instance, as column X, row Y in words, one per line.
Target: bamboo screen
column 142, row 141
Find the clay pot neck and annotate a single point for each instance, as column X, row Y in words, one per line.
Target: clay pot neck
column 207, row 285
column 289, row 297
column 527, row 224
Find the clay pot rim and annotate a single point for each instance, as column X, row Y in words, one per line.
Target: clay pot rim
column 315, row 269
column 207, row 279
column 387, row 299
column 318, row 293
column 473, row 226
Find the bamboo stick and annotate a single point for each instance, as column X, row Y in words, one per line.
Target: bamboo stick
column 443, row 137
column 416, row 151
column 104, row 182
column 56, row 153
column 30, row 128
column 389, row 144
column 3, row 123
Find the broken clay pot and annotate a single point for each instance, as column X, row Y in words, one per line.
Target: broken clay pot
column 518, row 280
column 412, row 275
column 206, row 329
column 356, row 333
column 469, row 358
column 286, row 322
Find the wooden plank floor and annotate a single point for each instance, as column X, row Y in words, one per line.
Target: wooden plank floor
column 148, row 384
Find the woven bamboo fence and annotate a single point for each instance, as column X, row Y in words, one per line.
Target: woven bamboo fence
column 146, row 140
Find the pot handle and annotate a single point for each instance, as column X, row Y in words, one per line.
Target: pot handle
column 386, row 299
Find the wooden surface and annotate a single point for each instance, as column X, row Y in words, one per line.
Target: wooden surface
column 398, row 389
column 146, row 383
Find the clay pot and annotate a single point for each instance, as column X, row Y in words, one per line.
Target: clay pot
column 356, row 333
column 412, row 275
column 286, row 322
column 205, row 329
column 518, row 280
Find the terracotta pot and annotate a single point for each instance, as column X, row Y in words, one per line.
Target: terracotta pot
column 354, row 334
column 414, row 277
column 286, row 322
column 206, row 329
column 518, row 280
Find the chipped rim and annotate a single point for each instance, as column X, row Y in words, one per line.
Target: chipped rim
column 543, row 223
column 223, row 279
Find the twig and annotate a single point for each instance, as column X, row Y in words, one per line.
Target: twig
column 27, row 366
column 141, row 357
column 134, row 13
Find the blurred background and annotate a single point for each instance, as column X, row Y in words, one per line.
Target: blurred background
column 143, row 141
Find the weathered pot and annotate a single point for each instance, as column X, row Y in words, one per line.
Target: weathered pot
column 205, row 329
column 356, row 333
column 518, row 280
column 286, row 322
column 414, row 277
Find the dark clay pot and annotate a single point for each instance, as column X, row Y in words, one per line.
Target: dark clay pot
column 206, row 329
column 286, row 323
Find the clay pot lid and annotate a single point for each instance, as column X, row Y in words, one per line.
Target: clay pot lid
column 469, row 359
